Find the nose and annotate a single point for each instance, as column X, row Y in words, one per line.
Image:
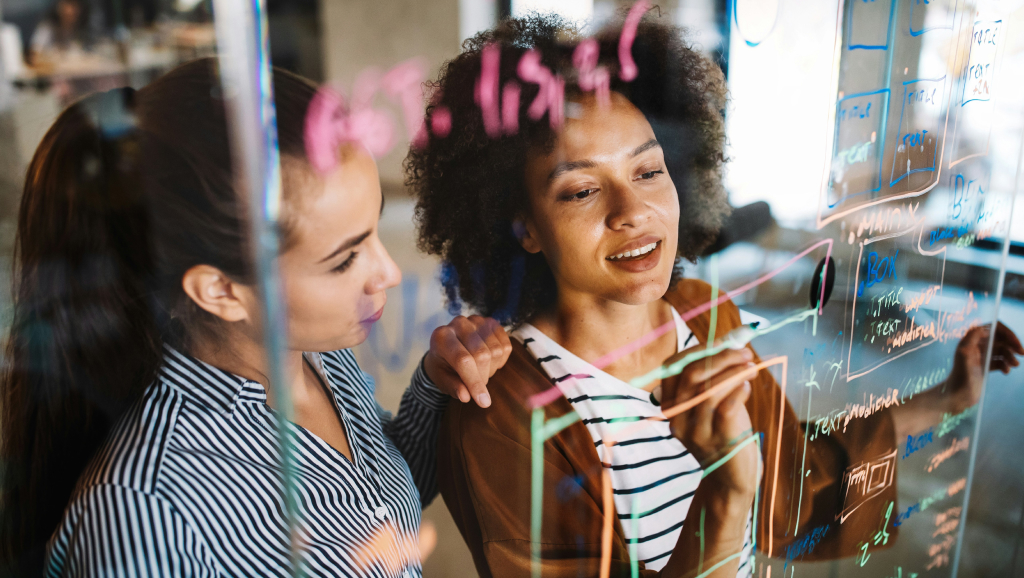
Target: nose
column 626, row 207
column 386, row 274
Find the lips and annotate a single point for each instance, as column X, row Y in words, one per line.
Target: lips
column 634, row 253
column 638, row 256
column 373, row 318
column 635, row 248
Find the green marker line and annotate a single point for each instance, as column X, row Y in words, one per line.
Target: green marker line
column 700, row 561
column 537, row 488
column 555, row 425
column 729, row 455
column 677, row 367
column 803, row 463
column 719, row 565
column 713, row 266
column 753, row 520
column 540, row 432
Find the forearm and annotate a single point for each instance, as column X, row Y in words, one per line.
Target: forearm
column 711, row 541
column 925, row 410
column 414, row 431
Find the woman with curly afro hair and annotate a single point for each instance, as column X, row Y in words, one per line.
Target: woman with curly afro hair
column 571, row 230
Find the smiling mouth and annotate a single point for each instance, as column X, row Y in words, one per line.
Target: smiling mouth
column 635, row 254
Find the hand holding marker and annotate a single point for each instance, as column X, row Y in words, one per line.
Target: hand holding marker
column 736, row 339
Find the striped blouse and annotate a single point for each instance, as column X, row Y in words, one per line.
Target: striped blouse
column 188, row 482
column 654, row 476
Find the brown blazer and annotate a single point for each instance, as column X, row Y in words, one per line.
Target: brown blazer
column 484, row 466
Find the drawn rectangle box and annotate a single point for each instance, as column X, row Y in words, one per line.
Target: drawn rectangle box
column 921, row 10
column 861, row 316
column 974, row 113
column 857, row 146
column 917, row 147
column 866, row 480
column 868, row 24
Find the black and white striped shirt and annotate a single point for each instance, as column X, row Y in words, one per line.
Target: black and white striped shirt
column 189, row 484
column 653, row 475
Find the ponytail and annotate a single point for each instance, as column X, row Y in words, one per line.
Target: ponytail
column 126, row 192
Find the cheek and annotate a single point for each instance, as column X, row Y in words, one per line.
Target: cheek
column 321, row 304
column 574, row 233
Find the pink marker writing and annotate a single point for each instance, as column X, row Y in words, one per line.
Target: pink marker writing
column 591, row 76
column 627, row 67
column 551, row 97
column 486, row 93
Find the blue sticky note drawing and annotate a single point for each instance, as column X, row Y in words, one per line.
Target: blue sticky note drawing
column 980, row 68
column 917, row 141
column 942, row 13
column 857, row 147
column 868, row 24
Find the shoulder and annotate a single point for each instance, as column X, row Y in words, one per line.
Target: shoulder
column 133, row 454
column 511, row 389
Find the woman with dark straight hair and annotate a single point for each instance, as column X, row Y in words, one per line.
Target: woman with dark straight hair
column 138, row 434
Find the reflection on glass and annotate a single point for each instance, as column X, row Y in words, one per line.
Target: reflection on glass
column 757, row 265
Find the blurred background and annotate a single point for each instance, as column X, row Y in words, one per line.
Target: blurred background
column 52, row 53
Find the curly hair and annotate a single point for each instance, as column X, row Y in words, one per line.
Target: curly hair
column 470, row 187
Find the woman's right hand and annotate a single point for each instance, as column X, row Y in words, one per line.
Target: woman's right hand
column 715, row 425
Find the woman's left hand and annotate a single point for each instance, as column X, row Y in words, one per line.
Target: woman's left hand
column 464, row 354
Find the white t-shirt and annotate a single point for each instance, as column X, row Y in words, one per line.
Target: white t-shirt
column 652, row 472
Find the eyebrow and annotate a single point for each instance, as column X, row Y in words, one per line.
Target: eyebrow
column 653, row 143
column 569, row 166
column 346, row 245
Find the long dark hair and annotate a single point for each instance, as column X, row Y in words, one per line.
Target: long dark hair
column 127, row 191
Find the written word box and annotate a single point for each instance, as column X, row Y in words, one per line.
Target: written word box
column 928, row 15
column 974, row 114
column 857, row 150
column 977, row 75
column 918, row 139
column 882, row 326
column 868, row 24
column 864, row 481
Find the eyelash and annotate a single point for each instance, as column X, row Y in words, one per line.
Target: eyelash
column 575, row 196
column 345, row 264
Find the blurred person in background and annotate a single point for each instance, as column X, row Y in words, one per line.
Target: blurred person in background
column 64, row 31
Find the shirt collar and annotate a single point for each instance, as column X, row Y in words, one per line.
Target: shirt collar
column 206, row 384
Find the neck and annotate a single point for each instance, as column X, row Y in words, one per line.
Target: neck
column 245, row 357
column 591, row 327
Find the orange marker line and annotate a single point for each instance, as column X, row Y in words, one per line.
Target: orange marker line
column 606, row 490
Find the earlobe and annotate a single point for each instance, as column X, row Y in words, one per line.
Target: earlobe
column 215, row 293
column 526, row 239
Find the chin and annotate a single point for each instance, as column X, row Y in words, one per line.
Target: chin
column 644, row 292
column 351, row 338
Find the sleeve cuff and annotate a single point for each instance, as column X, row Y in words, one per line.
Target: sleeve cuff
column 424, row 390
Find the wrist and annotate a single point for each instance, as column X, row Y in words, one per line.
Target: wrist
column 728, row 505
column 428, row 365
column 736, row 480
